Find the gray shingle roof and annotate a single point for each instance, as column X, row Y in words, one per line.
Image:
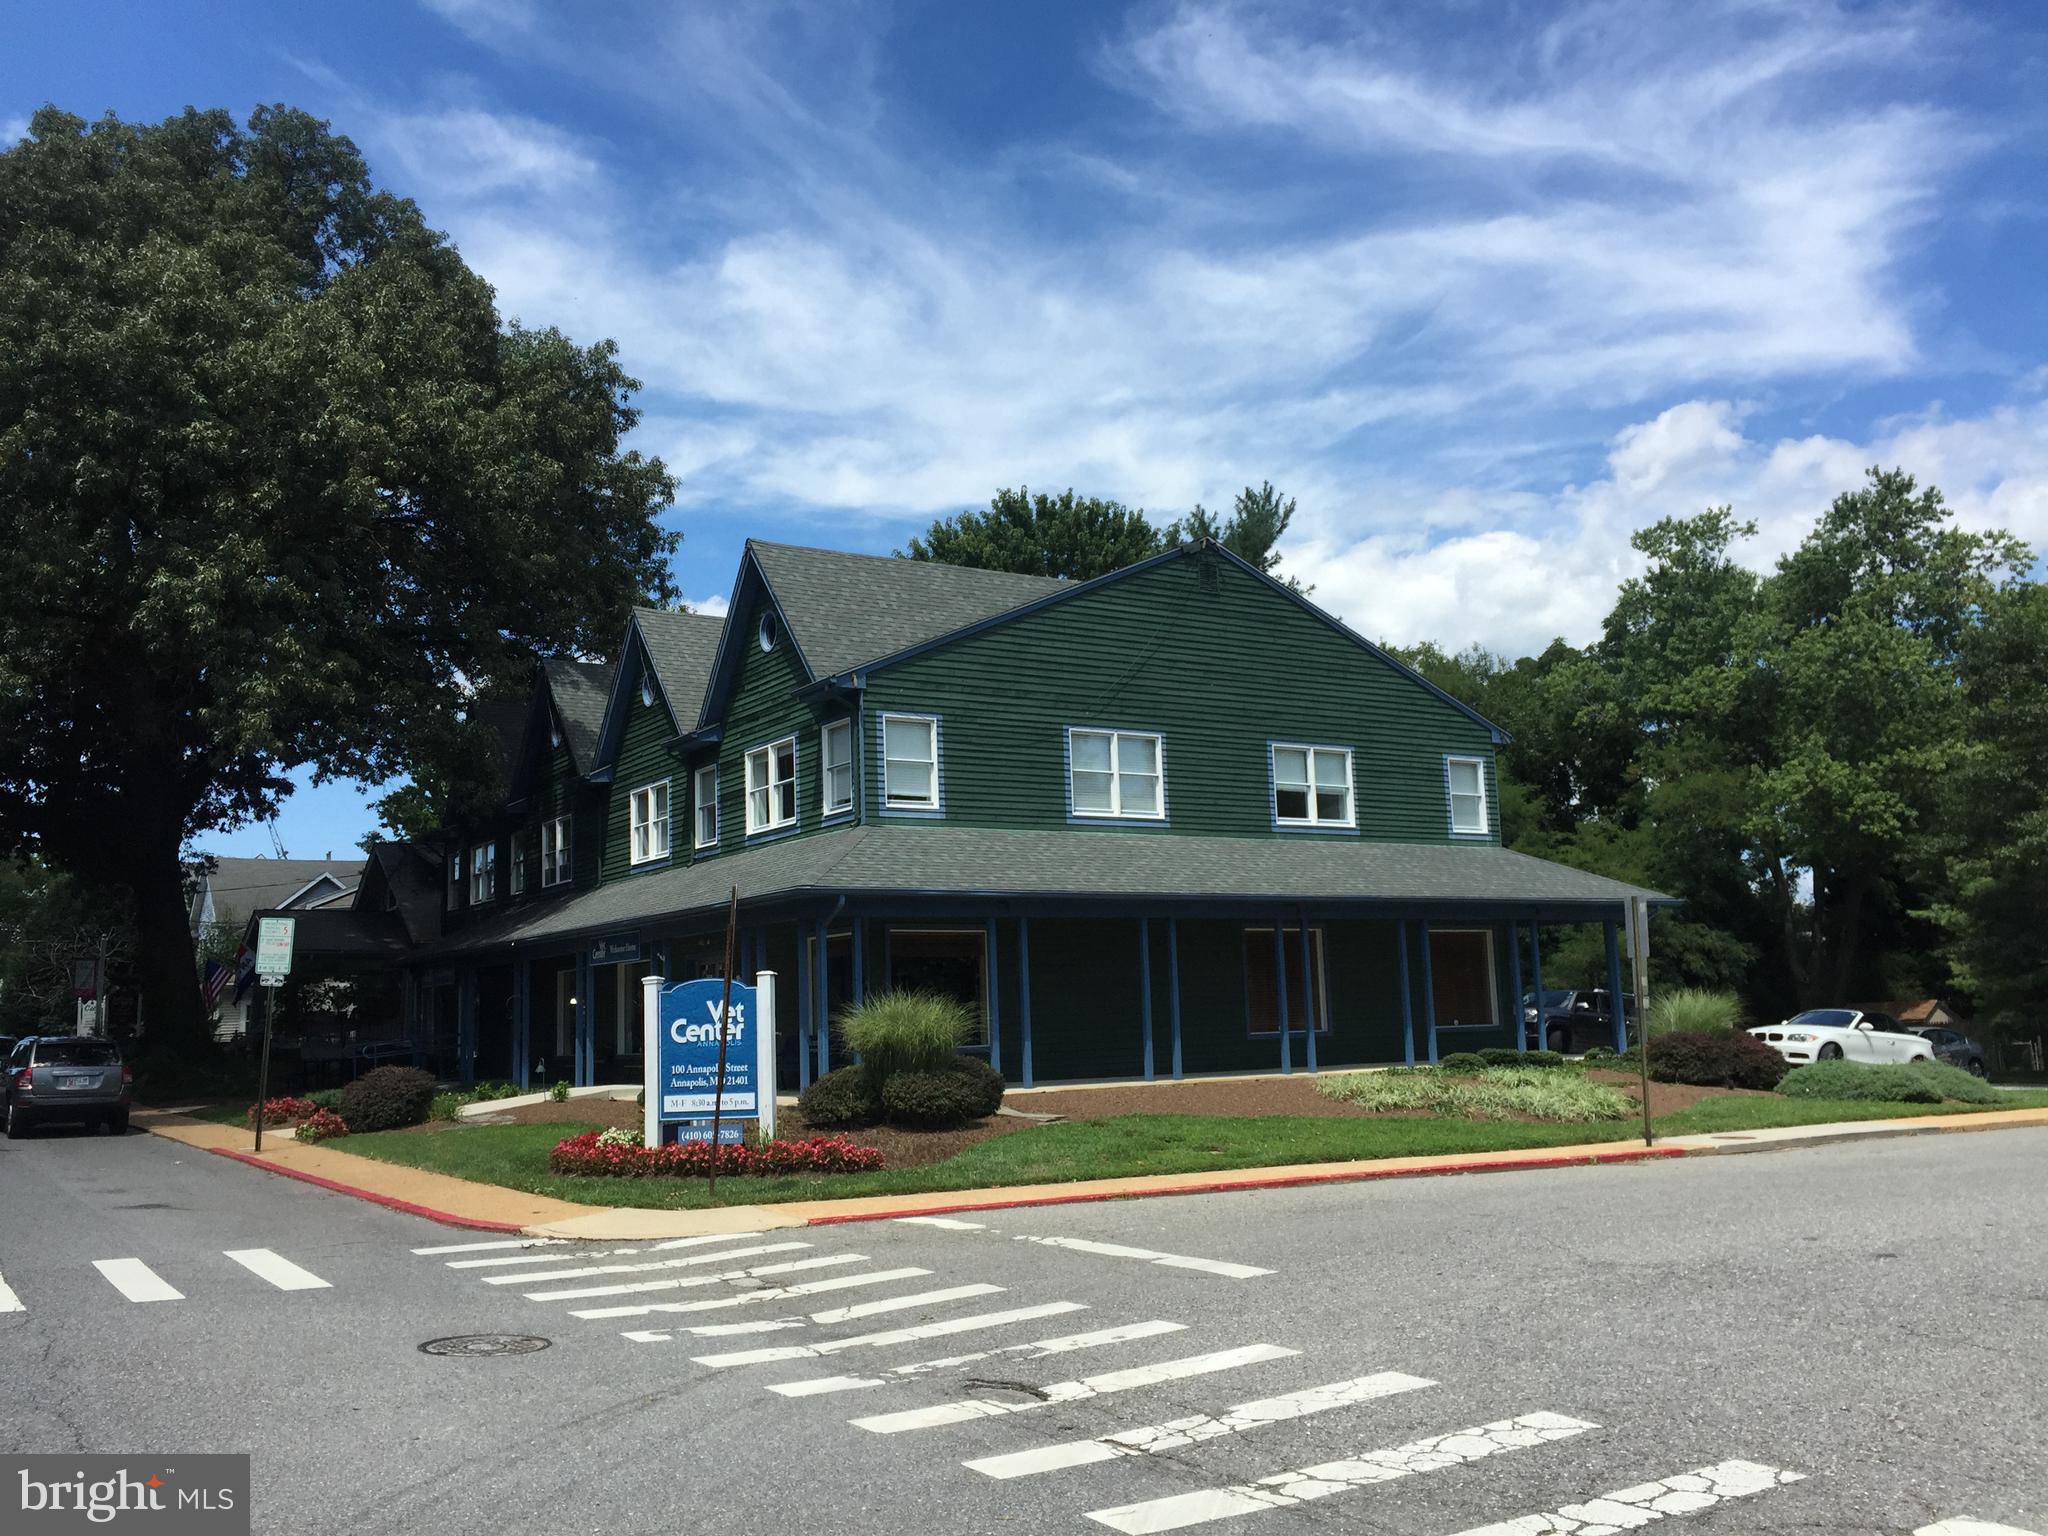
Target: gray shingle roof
column 580, row 690
column 844, row 609
column 242, row 886
column 682, row 647
column 1074, row 865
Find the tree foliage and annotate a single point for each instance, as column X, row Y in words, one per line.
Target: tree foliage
column 278, row 489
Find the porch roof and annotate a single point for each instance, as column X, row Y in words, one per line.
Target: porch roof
column 1080, row 866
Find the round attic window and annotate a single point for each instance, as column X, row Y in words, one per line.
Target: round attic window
column 647, row 691
column 554, row 733
column 770, row 631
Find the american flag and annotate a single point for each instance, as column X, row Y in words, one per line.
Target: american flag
column 216, row 980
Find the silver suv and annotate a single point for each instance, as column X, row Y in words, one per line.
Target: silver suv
column 53, row 1078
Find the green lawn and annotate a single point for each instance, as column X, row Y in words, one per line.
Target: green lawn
column 516, row 1155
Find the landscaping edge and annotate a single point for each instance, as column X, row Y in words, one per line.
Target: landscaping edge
column 605, row 1223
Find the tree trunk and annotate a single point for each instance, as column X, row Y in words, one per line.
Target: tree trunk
column 1847, row 941
column 165, row 961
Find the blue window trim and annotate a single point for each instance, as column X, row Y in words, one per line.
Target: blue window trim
column 834, row 816
column 1088, row 819
column 717, row 812
column 1318, row 947
column 910, row 812
column 1485, row 833
column 796, row 766
column 1318, row 829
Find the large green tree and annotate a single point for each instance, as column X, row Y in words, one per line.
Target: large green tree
column 1069, row 535
column 278, row 487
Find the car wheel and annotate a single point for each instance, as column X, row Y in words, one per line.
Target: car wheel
column 17, row 1124
column 1560, row 1041
column 1976, row 1068
column 117, row 1122
column 1829, row 1052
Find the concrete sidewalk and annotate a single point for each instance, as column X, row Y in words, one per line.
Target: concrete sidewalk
column 459, row 1202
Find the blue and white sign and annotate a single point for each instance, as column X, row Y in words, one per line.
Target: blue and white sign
column 683, row 1027
column 615, row 949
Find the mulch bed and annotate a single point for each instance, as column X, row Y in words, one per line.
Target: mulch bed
column 1669, row 1098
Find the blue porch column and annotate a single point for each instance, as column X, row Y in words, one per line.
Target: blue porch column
column 1280, row 988
column 821, row 1021
column 1407, row 1000
column 995, row 1007
column 1536, row 977
column 1515, row 986
column 1613, row 931
column 1024, row 992
column 521, row 999
column 806, row 1004
column 466, row 1023
column 1428, row 993
column 1145, row 990
column 860, row 960
column 586, row 1021
column 1308, row 992
column 1173, row 989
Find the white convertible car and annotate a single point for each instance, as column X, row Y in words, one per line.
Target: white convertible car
column 1843, row 1034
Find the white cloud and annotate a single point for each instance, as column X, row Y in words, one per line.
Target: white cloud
column 1551, row 570
column 488, row 20
column 467, row 154
column 12, row 131
column 717, row 605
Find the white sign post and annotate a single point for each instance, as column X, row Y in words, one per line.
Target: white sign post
column 764, row 1035
column 274, row 936
column 650, row 1056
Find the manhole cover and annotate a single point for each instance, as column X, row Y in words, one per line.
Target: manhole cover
column 473, row 1344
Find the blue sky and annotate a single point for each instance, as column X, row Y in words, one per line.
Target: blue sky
column 1485, row 286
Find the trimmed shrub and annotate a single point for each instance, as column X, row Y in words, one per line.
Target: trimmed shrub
column 322, row 1125
column 931, row 1100
column 484, row 1092
column 1724, row 1060
column 446, row 1105
column 844, row 1097
column 591, row 1156
column 325, row 1098
column 988, row 1083
column 559, row 1093
column 1508, row 1056
column 1917, row 1082
column 906, row 1032
column 1462, row 1061
column 387, row 1099
column 1694, row 1011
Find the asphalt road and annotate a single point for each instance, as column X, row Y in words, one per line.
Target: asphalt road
column 1869, row 1318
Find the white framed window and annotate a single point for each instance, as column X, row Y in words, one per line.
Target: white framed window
column 910, row 762
column 704, row 797
column 649, row 823
column 835, row 767
column 483, row 872
column 555, row 867
column 1465, row 782
column 1116, row 775
column 454, row 878
column 1312, row 786
column 1262, row 988
column 771, row 787
column 518, row 864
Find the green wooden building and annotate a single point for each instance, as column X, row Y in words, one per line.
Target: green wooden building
column 1170, row 822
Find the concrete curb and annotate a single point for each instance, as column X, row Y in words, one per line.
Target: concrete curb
column 1271, row 1180
column 391, row 1202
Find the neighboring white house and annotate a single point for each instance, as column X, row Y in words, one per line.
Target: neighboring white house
column 225, row 895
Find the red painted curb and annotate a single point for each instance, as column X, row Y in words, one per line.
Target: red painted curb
column 1265, row 1181
column 392, row 1202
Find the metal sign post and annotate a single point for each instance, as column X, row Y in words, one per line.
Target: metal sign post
column 1639, row 962
column 274, row 940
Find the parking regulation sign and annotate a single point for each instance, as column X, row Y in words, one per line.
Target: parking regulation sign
column 274, row 936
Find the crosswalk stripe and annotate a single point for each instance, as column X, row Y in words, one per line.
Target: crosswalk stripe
column 749, row 1298
column 1178, row 1433
column 501, row 1242
column 832, row 1315
column 723, row 1255
column 280, row 1272
column 136, row 1280
column 690, row 1282
column 893, row 1336
column 963, row 1409
column 1149, row 1256
column 601, row 1253
column 945, row 1223
column 1040, row 1350
column 1953, row 1527
column 1284, row 1490
column 9, row 1302
column 1631, row 1508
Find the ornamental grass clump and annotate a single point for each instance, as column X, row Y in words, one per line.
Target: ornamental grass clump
column 895, row 1032
column 1694, row 1011
column 1495, row 1093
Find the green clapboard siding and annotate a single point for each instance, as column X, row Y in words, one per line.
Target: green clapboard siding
column 762, row 708
column 1214, row 660
column 644, row 757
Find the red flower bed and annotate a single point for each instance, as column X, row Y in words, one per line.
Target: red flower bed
column 322, row 1125
column 280, row 1111
column 697, row 1159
